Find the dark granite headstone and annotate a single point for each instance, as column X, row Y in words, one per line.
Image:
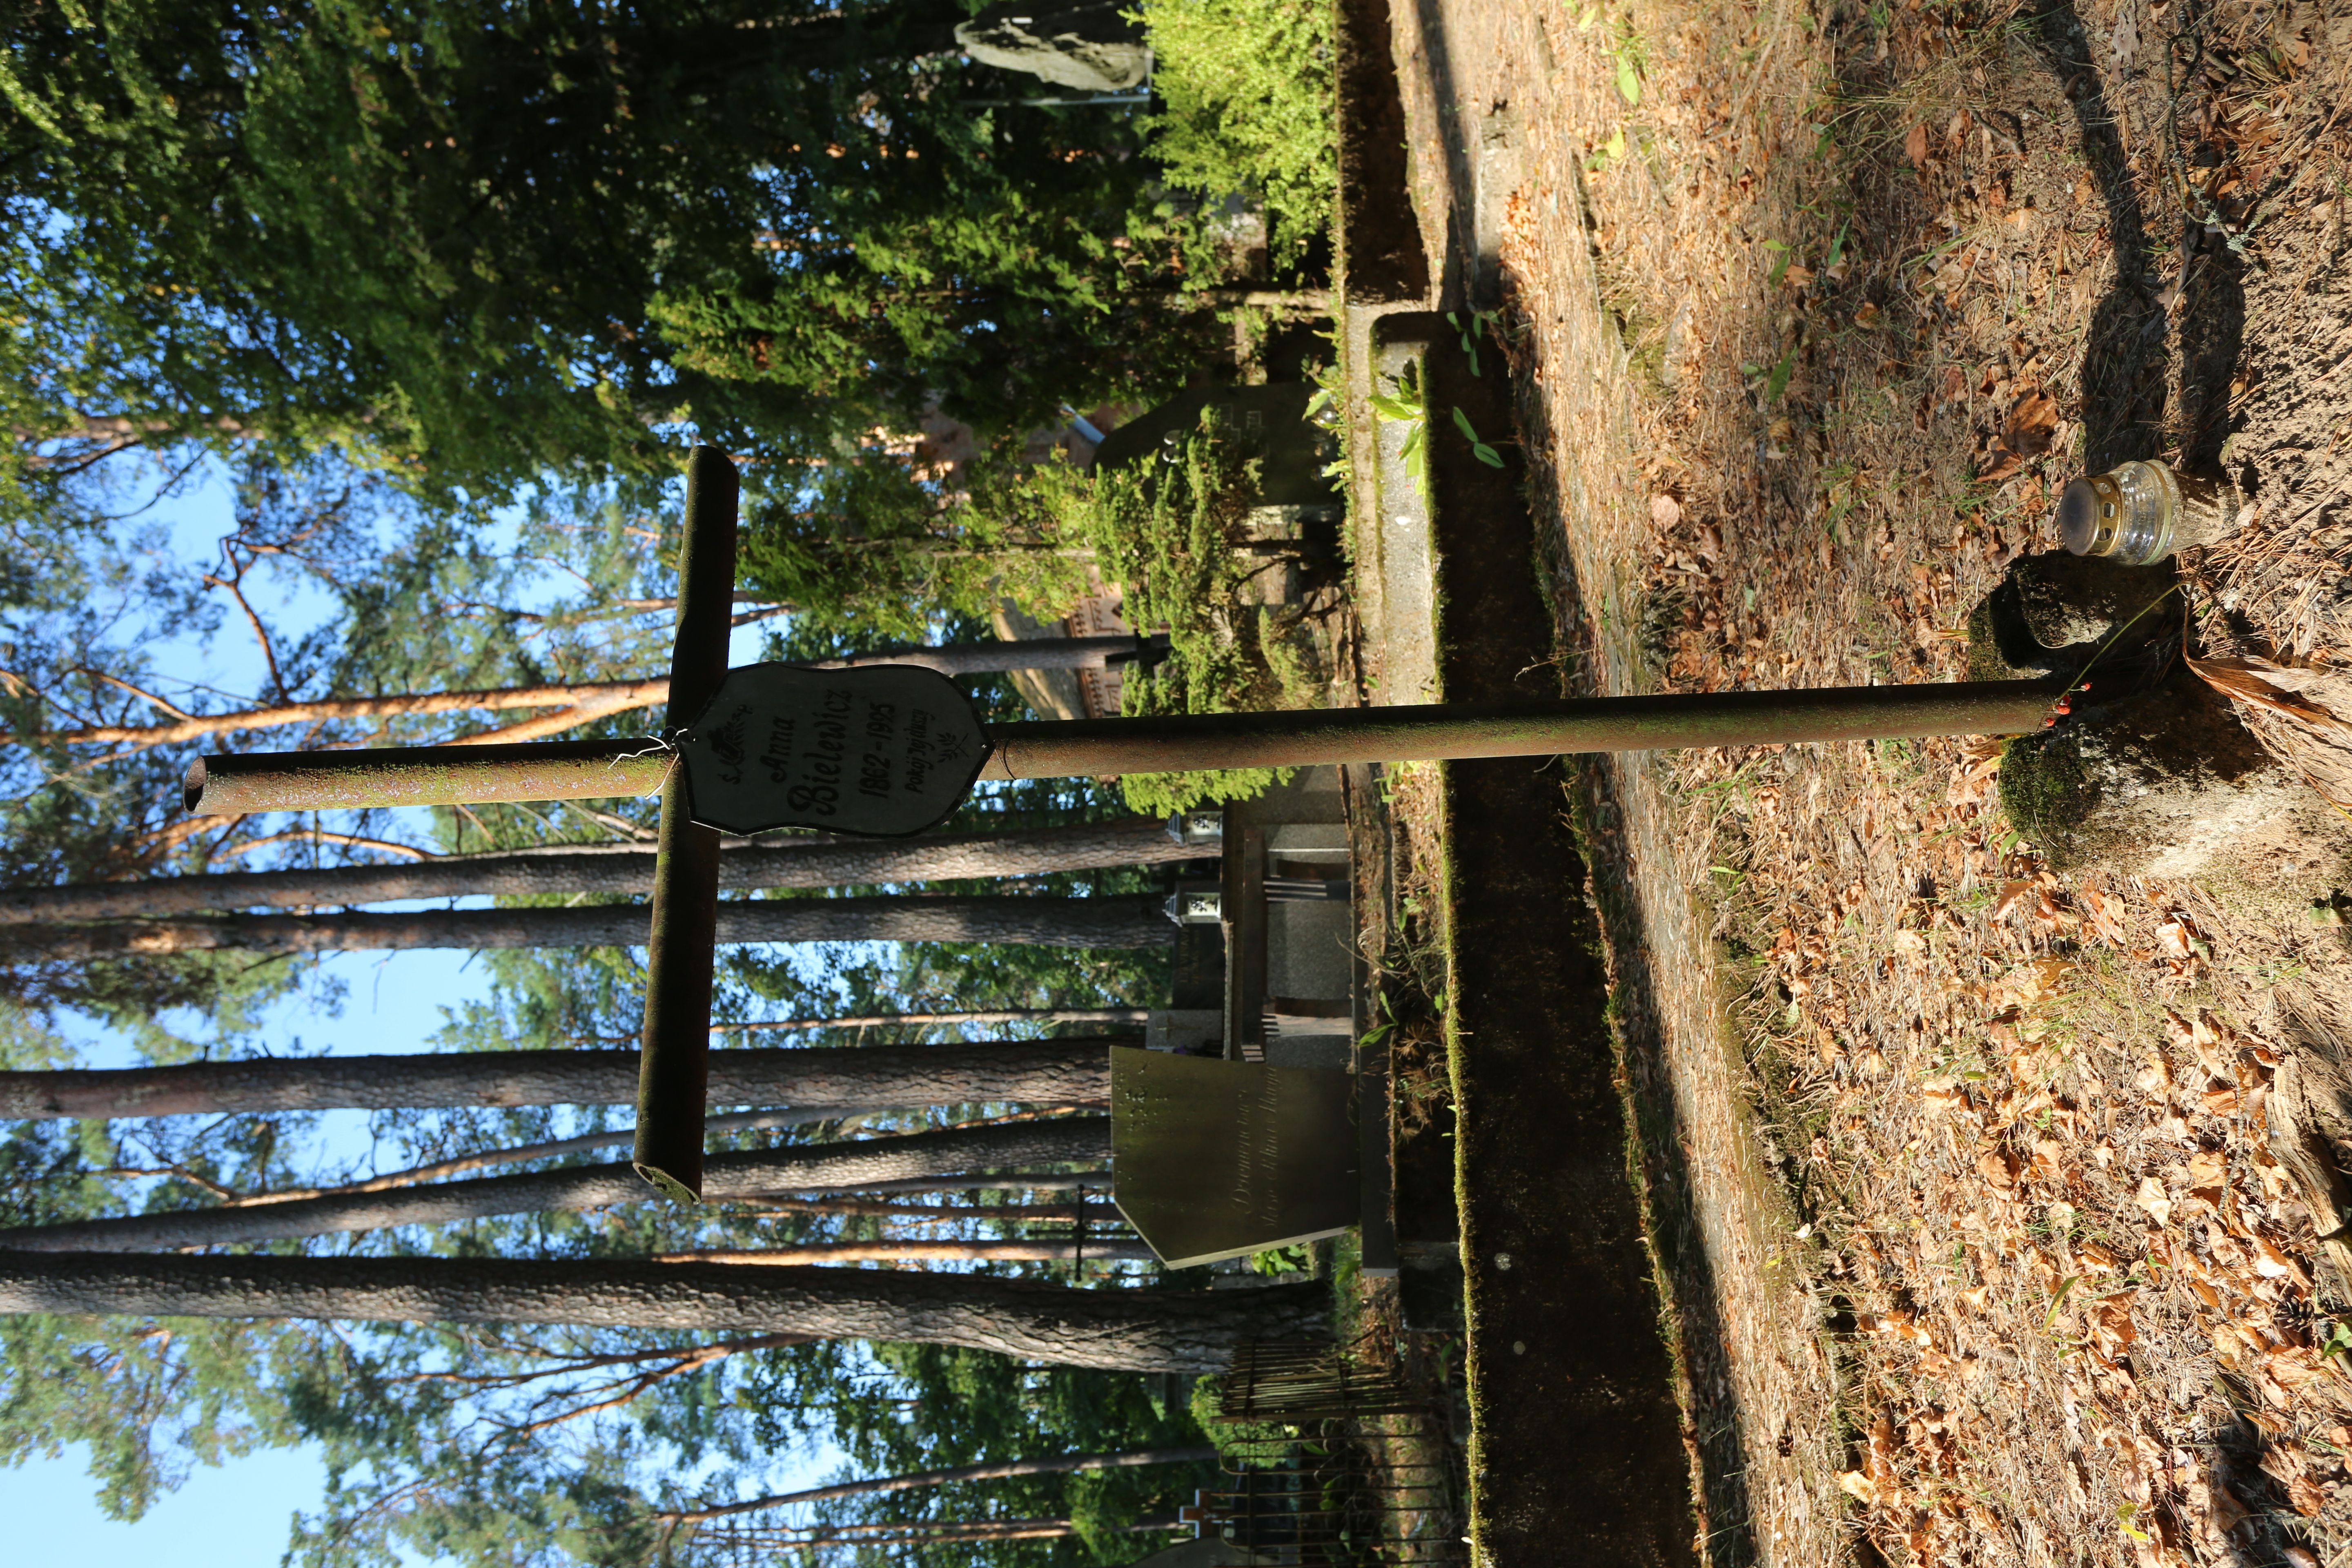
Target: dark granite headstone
column 1268, row 423
column 1215, row 1159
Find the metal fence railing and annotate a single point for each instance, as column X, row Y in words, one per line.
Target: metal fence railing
column 1327, row 1463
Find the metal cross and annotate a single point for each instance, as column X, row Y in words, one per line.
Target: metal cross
column 676, row 1039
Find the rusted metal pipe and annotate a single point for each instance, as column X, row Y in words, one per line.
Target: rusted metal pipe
column 1198, row 742
column 565, row 770
column 673, row 1071
column 235, row 784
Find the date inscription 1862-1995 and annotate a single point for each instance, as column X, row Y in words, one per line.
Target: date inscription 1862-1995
column 886, row 748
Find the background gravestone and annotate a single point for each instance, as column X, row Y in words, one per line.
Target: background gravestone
column 1214, row 1159
column 1268, row 423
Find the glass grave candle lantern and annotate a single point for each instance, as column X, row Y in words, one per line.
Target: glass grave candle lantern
column 2140, row 512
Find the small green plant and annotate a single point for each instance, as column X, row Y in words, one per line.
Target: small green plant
column 1404, row 406
column 1478, row 449
column 1629, row 56
column 1628, row 77
column 1481, row 322
column 1280, row 1260
column 1324, row 410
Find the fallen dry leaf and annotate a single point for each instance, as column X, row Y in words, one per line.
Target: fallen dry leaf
column 2107, row 916
column 2003, row 468
column 2207, row 1039
column 1883, row 1475
column 2111, row 1325
column 2273, row 1264
column 2225, row 1512
column 2031, row 982
column 1914, row 145
column 1973, row 775
column 2125, row 39
column 1858, row 1486
column 2275, row 1179
column 2152, row 1197
column 2033, row 422
column 1665, row 511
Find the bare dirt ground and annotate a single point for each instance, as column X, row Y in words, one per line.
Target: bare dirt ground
column 1987, row 1198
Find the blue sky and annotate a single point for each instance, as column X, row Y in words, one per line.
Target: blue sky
column 236, row 1515
column 233, row 1517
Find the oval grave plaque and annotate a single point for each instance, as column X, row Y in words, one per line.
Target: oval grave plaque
column 885, row 749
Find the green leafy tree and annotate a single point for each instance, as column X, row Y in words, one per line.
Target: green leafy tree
column 1168, row 532
column 1249, row 91
column 481, row 243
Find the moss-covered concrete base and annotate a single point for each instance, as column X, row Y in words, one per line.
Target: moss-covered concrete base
column 2168, row 783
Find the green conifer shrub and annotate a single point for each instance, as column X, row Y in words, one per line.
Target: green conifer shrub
column 1249, row 85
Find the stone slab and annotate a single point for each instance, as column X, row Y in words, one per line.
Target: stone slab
column 1214, row 1159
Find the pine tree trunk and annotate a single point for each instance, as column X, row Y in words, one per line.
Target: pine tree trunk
column 1116, row 1329
column 591, row 698
column 726, row 1178
column 573, row 705
column 813, row 862
column 1120, row 922
column 1094, row 1250
column 1045, row 1072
